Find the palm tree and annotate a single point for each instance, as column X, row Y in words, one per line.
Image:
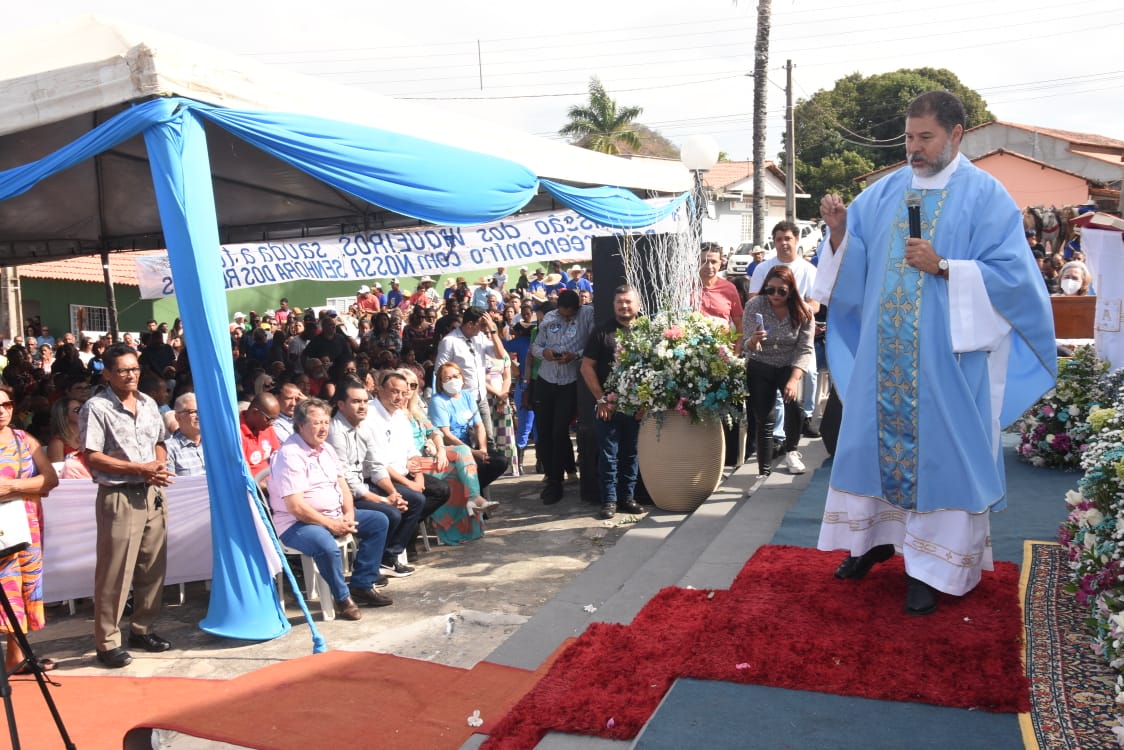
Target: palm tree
column 760, row 79
column 601, row 125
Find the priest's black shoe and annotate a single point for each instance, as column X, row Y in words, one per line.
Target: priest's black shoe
column 857, row 567
column 149, row 642
column 115, row 658
column 920, row 597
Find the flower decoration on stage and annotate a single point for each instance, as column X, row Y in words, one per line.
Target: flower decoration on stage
column 681, row 362
column 1054, row 431
column 1093, row 532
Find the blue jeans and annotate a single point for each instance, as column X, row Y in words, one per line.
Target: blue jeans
column 524, row 417
column 318, row 543
column 617, row 467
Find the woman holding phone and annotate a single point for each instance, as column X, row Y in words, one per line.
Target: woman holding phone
column 778, row 329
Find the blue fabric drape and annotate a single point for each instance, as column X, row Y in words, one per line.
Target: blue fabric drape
column 427, row 181
column 612, row 206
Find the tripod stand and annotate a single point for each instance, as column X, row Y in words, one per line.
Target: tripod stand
column 37, row 670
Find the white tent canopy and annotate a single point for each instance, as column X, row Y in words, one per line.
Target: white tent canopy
column 64, row 80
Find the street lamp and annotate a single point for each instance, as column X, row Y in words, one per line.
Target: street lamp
column 698, row 153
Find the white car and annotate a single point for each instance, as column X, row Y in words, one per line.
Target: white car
column 739, row 260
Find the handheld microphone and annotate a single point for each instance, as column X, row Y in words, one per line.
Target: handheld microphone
column 913, row 206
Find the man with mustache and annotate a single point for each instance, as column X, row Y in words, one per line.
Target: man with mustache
column 935, row 342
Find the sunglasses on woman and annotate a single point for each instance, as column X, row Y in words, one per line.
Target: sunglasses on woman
column 774, row 290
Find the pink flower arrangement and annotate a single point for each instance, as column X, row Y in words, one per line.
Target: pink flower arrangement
column 673, row 333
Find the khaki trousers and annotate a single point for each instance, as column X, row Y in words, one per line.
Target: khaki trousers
column 132, row 553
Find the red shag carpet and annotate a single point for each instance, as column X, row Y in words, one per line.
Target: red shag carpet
column 785, row 622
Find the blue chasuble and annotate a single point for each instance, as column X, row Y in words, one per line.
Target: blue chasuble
column 917, row 427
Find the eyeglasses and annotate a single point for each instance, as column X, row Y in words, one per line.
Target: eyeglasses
column 775, row 290
column 188, row 412
column 123, row 371
column 413, row 386
column 9, row 405
column 268, row 419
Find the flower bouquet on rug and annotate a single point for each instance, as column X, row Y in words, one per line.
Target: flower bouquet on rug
column 678, row 362
column 1093, row 534
column 1054, row 431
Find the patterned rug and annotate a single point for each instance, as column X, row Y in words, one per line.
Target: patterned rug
column 1071, row 687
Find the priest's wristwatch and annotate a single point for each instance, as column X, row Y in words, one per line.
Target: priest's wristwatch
column 942, row 267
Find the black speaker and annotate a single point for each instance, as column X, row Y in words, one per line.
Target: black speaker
column 608, row 271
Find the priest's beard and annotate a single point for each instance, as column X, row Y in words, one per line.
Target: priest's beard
column 931, row 168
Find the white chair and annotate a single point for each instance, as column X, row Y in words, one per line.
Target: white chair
column 316, row 586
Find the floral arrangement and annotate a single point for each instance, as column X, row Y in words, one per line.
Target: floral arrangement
column 681, row 362
column 1093, row 533
column 1054, row 431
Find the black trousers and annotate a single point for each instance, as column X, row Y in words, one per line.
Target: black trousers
column 555, row 407
column 404, row 524
column 763, row 382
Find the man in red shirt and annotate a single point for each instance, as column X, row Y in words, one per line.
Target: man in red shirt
column 259, row 441
column 367, row 302
column 719, row 298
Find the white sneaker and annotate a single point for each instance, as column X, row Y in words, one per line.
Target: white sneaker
column 794, row 463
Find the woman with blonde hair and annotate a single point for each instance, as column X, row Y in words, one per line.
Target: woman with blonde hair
column 460, row 519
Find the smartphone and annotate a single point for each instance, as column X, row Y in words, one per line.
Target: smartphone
column 760, row 321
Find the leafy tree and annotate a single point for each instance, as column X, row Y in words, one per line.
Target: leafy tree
column 602, row 125
column 857, row 126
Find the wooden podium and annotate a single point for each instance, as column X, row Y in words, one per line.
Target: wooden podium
column 1074, row 316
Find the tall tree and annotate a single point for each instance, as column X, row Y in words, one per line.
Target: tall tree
column 858, row 126
column 760, row 81
column 601, row 124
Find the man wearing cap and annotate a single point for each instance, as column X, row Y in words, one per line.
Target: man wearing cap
column 239, row 322
column 578, row 282
column 522, row 282
column 367, row 302
column 394, row 296
column 758, row 258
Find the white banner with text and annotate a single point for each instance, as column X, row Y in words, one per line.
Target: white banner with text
column 361, row 257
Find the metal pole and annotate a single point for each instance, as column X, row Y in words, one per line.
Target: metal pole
column 790, row 148
column 110, row 296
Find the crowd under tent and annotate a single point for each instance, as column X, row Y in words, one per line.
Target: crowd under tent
column 118, row 138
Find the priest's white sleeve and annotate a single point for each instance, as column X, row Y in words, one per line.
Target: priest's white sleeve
column 977, row 327
column 827, row 268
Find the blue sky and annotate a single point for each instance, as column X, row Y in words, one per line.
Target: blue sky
column 523, row 64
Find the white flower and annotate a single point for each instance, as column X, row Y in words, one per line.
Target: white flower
column 1092, row 517
column 1073, row 498
column 475, row 720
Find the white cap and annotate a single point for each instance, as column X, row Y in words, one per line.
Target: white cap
column 576, row 267
column 364, row 289
column 394, row 281
column 238, row 315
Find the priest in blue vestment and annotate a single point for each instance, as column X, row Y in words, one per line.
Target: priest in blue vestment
column 936, row 338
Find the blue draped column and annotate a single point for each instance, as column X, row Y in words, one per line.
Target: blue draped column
column 244, row 602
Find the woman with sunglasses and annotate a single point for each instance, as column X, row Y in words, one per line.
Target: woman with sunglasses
column 459, row 519
column 778, row 329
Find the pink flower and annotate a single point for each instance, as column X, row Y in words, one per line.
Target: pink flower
column 673, row 333
column 611, row 398
column 1048, row 410
column 679, row 406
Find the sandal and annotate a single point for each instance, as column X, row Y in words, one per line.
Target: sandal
column 47, row 665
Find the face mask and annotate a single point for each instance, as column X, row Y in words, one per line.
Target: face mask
column 453, row 386
column 1070, row 286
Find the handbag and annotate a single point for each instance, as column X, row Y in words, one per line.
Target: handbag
column 15, row 531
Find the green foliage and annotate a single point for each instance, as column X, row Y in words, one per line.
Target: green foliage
column 834, row 128
column 602, row 125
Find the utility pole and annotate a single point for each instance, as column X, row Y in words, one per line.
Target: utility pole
column 789, row 147
column 760, row 82
column 110, row 295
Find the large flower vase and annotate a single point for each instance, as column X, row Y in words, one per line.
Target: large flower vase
column 680, row 460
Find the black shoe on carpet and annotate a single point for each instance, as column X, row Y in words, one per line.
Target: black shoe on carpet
column 608, row 510
column 552, row 493
column 857, row 567
column 920, row 598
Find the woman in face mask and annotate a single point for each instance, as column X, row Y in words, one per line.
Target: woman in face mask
column 1075, row 279
column 453, row 411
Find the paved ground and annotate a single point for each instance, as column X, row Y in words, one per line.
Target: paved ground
column 461, row 604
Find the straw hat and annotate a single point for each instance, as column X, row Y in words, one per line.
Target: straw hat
column 538, row 296
column 552, row 279
column 484, row 281
column 425, row 280
column 450, row 283
column 576, row 269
